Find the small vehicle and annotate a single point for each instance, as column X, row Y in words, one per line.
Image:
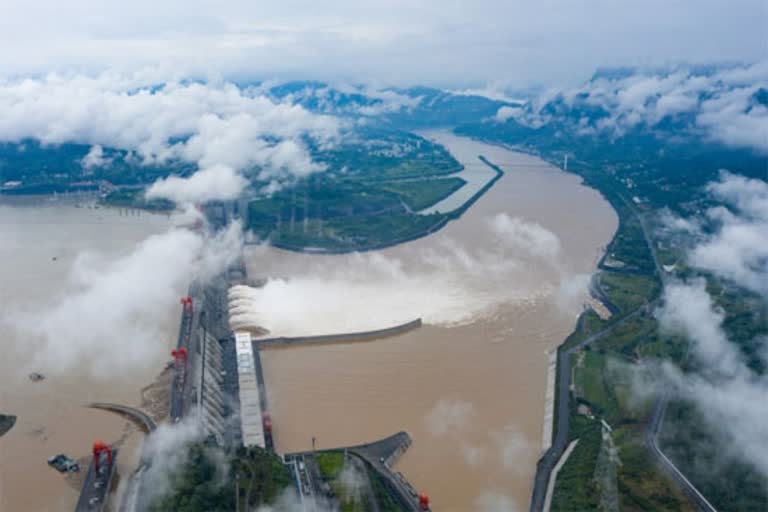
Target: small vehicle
column 63, row 463
column 36, row 377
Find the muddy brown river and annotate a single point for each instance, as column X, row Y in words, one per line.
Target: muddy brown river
column 497, row 289
column 40, row 240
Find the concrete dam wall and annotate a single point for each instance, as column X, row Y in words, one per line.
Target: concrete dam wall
column 349, row 337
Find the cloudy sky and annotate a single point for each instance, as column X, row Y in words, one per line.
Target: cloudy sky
column 434, row 42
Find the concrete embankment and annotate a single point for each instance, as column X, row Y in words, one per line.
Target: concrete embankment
column 344, row 337
column 440, row 224
column 437, row 226
column 140, row 418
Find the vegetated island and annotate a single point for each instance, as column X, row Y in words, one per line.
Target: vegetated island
column 368, row 197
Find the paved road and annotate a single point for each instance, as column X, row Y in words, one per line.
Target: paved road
column 93, row 495
column 552, row 455
column 651, row 443
column 660, row 408
column 549, row 459
column 381, row 455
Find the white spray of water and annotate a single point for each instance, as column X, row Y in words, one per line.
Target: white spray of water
column 449, row 284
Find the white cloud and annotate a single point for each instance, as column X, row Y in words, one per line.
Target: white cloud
column 530, row 237
column 211, row 125
column 288, row 501
column 492, row 501
column 448, row 284
column 573, row 292
column 737, row 248
column 716, row 104
column 688, row 309
column 449, row 416
column 167, row 451
column 449, row 43
column 728, row 118
column 497, row 91
column 513, row 449
column 95, row 158
column 729, row 395
column 217, row 182
column 112, row 316
column 474, row 456
column 505, row 113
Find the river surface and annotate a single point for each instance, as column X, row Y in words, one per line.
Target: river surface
column 475, row 173
column 497, row 289
column 51, row 414
column 469, row 386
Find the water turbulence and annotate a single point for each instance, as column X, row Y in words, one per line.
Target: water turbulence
column 449, row 284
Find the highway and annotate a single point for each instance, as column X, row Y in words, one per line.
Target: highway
column 660, row 408
column 651, row 443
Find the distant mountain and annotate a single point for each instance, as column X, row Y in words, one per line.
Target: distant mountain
column 414, row 107
column 668, row 131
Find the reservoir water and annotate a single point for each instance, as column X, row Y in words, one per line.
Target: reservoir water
column 40, row 240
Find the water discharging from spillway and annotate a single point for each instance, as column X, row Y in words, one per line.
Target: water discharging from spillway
column 496, row 289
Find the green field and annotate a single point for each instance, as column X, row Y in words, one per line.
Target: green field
column 419, row 195
column 629, row 291
column 363, row 201
column 330, row 464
